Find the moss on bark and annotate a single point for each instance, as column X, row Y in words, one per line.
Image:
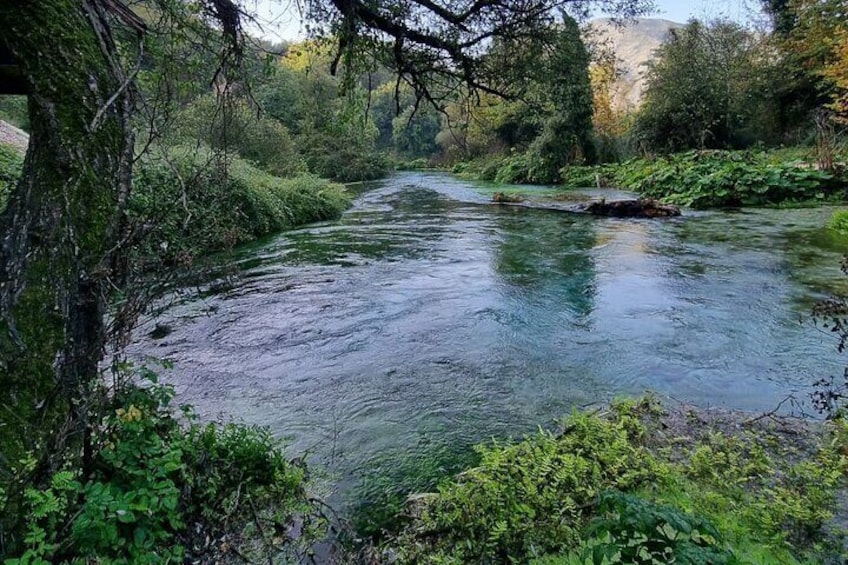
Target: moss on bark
column 61, row 231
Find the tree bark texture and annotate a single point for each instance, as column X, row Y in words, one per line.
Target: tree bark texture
column 61, row 233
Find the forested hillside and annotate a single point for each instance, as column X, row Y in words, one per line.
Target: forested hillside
column 634, row 45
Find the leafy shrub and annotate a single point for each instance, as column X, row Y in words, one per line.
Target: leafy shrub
column 482, row 168
column 530, row 498
column 159, row 490
column 343, row 158
column 11, row 166
column 839, row 221
column 514, row 170
column 710, row 179
column 617, row 489
column 418, row 164
column 714, row 179
column 628, row 529
column 238, row 128
column 584, row 177
column 519, row 168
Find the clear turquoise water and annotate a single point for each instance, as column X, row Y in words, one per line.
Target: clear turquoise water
column 386, row 344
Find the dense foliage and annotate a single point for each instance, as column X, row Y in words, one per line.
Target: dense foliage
column 711, row 85
column 11, row 165
column 163, row 488
column 330, row 122
column 706, row 89
column 715, row 179
column 149, row 153
column 559, row 498
column 547, row 124
column 808, row 36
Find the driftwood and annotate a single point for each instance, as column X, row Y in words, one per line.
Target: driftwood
column 504, row 198
column 639, row 208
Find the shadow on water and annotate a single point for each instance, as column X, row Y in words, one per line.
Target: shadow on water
column 425, row 321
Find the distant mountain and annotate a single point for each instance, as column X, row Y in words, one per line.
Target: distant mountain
column 634, row 45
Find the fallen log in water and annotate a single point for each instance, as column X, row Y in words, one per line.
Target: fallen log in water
column 637, row 208
column 640, row 208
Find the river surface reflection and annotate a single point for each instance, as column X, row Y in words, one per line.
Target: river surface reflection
column 385, row 344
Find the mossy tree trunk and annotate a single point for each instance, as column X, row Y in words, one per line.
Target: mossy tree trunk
column 62, row 234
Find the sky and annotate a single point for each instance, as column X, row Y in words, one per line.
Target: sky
column 280, row 21
column 682, row 10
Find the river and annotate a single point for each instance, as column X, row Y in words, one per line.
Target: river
column 384, row 345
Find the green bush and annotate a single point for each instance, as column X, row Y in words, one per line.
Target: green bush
column 11, row 166
column 530, row 498
column 618, row 489
column 514, row 169
column 164, row 489
column 343, row 158
column 238, row 128
column 481, row 168
column 418, row 164
column 710, row 179
column 628, row 529
column 715, row 179
column 839, row 221
column 631, row 530
column 584, row 177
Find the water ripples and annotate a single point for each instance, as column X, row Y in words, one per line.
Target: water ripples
column 425, row 321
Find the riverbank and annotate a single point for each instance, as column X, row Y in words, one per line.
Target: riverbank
column 184, row 206
column 422, row 323
column 698, row 179
column 200, row 204
column 194, row 203
column 641, row 482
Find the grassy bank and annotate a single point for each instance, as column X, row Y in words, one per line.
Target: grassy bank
column 700, row 179
column 192, row 203
column 201, row 205
column 637, row 484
